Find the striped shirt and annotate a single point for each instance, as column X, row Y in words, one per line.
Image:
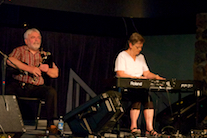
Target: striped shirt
column 23, row 54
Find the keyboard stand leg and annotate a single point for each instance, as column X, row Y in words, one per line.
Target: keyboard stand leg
column 179, row 108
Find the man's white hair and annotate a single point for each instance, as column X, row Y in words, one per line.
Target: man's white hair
column 29, row 31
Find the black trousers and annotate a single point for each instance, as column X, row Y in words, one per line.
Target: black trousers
column 138, row 97
column 47, row 93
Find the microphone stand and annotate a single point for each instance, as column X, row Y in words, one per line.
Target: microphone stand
column 3, row 79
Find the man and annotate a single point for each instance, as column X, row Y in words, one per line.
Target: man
column 31, row 83
column 131, row 64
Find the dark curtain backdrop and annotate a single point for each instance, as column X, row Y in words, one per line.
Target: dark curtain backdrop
column 91, row 57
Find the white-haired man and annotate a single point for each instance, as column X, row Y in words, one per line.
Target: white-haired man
column 31, row 84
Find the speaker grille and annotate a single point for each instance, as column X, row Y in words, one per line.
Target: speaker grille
column 10, row 115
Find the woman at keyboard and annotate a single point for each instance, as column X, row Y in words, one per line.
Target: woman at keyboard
column 130, row 63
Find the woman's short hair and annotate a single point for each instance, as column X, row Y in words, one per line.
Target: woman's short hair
column 134, row 38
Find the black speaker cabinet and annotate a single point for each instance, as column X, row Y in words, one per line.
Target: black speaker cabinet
column 97, row 115
column 10, row 117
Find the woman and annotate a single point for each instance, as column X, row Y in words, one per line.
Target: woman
column 131, row 63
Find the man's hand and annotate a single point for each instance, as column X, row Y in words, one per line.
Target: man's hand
column 44, row 67
column 36, row 71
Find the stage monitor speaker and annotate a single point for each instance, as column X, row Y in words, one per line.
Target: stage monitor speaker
column 97, row 115
column 10, row 116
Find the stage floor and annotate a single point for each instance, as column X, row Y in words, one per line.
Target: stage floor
column 40, row 132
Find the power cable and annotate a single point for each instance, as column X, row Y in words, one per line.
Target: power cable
column 126, row 29
column 134, row 25
column 2, row 1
